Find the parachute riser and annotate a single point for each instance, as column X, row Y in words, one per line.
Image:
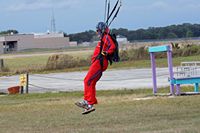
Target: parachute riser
column 109, row 15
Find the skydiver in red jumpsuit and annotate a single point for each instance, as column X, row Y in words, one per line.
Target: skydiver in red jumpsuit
column 99, row 64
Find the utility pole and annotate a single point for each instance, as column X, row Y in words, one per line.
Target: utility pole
column 53, row 23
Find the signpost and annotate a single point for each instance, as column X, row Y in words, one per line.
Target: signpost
column 24, row 78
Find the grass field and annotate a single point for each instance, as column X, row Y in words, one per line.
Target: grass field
column 37, row 63
column 119, row 111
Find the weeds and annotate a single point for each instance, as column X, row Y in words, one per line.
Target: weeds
column 64, row 61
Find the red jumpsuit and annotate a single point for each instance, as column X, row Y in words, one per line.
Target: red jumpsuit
column 95, row 70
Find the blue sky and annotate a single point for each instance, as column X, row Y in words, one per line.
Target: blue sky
column 74, row 16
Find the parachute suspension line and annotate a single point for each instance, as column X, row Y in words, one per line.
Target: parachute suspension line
column 108, row 10
column 115, row 13
column 109, row 15
column 113, row 10
column 105, row 17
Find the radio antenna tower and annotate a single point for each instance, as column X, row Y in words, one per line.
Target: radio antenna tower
column 53, row 23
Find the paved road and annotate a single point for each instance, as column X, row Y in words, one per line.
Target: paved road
column 73, row 81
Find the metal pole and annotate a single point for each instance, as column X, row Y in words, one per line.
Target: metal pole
column 27, row 82
column 153, row 67
column 22, row 89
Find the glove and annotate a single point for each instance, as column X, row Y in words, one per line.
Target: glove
column 104, row 53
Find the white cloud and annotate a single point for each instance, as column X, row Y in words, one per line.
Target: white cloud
column 41, row 4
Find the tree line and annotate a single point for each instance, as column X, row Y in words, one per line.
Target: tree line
column 9, row 32
column 184, row 30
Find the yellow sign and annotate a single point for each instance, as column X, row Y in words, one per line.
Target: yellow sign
column 23, row 80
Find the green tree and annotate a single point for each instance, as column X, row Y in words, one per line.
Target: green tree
column 189, row 34
column 171, row 35
column 172, row 31
column 9, row 32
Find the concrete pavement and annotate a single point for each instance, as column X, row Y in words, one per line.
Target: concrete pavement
column 73, row 81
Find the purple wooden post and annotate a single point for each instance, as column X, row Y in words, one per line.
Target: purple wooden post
column 171, row 74
column 153, row 67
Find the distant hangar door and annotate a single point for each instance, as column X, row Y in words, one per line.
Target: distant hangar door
column 10, row 46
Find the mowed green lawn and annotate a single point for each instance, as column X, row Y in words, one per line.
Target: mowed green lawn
column 125, row 111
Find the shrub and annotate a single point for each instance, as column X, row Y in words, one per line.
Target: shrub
column 142, row 53
column 177, row 52
column 124, row 55
column 4, row 69
column 191, row 50
column 65, row 61
column 60, row 62
column 134, row 54
column 83, row 62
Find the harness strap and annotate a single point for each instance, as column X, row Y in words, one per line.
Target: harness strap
column 100, row 56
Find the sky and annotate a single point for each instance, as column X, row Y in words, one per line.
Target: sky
column 73, row 16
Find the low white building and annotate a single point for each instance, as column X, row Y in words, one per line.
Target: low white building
column 122, row 39
column 18, row 42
